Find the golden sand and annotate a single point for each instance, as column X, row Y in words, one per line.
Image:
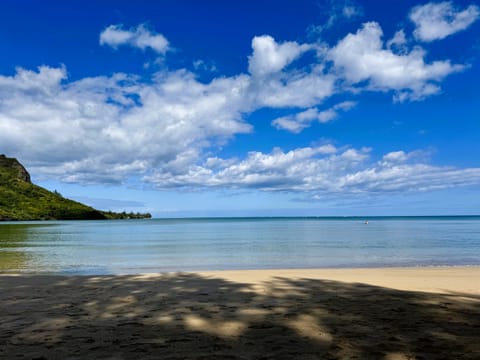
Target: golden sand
column 403, row 313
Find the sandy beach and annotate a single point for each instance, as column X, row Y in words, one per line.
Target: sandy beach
column 396, row 313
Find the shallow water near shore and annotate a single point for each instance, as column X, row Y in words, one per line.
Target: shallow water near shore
column 159, row 245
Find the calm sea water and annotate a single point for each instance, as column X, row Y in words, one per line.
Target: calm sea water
column 144, row 246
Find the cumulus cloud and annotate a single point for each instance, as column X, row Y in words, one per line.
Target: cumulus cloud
column 362, row 57
column 398, row 42
column 272, row 84
column 297, row 122
column 395, row 157
column 270, row 57
column 297, row 89
column 106, row 128
column 320, row 170
column 168, row 128
column 434, row 21
column 139, row 37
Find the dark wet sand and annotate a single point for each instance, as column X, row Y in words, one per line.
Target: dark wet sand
column 422, row 313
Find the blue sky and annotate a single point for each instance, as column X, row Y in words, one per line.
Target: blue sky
column 219, row 108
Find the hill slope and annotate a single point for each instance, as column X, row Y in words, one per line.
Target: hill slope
column 22, row 200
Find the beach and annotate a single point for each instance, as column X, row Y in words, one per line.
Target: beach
column 376, row 313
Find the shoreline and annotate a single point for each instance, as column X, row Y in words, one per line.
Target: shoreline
column 438, row 279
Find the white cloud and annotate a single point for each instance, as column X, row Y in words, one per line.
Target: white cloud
column 265, row 171
column 270, row 57
column 297, row 89
column 398, row 43
column 320, row 170
column 395, row 157
column 108, row 129
column 362, row 57
column 139, row 37
column 297, row 122
column 436, row 21
column 272, row 84
column 105, row 129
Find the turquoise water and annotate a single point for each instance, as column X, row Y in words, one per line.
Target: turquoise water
column 145, row 246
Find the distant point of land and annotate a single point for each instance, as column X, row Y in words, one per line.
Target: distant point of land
column 20, row 199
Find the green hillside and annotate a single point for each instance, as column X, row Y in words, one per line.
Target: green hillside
column 22, row 200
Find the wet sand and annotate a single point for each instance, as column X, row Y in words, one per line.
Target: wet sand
column 405, row 313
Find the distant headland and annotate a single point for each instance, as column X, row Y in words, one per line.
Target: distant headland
column 20, row 199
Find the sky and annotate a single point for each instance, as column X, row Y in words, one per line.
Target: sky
column 246, row 108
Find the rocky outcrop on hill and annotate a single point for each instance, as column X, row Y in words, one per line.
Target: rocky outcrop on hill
column 12, row 163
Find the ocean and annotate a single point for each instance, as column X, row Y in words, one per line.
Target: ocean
column 160, row 245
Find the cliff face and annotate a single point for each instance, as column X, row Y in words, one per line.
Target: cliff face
column 12, row 163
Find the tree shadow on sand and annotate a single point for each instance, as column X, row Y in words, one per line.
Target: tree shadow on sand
column 187, row 316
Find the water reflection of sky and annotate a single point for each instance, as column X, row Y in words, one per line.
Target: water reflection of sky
column 106, row 247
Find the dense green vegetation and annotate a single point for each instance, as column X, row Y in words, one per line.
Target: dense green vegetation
column 22, row 200
column 125, row 215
